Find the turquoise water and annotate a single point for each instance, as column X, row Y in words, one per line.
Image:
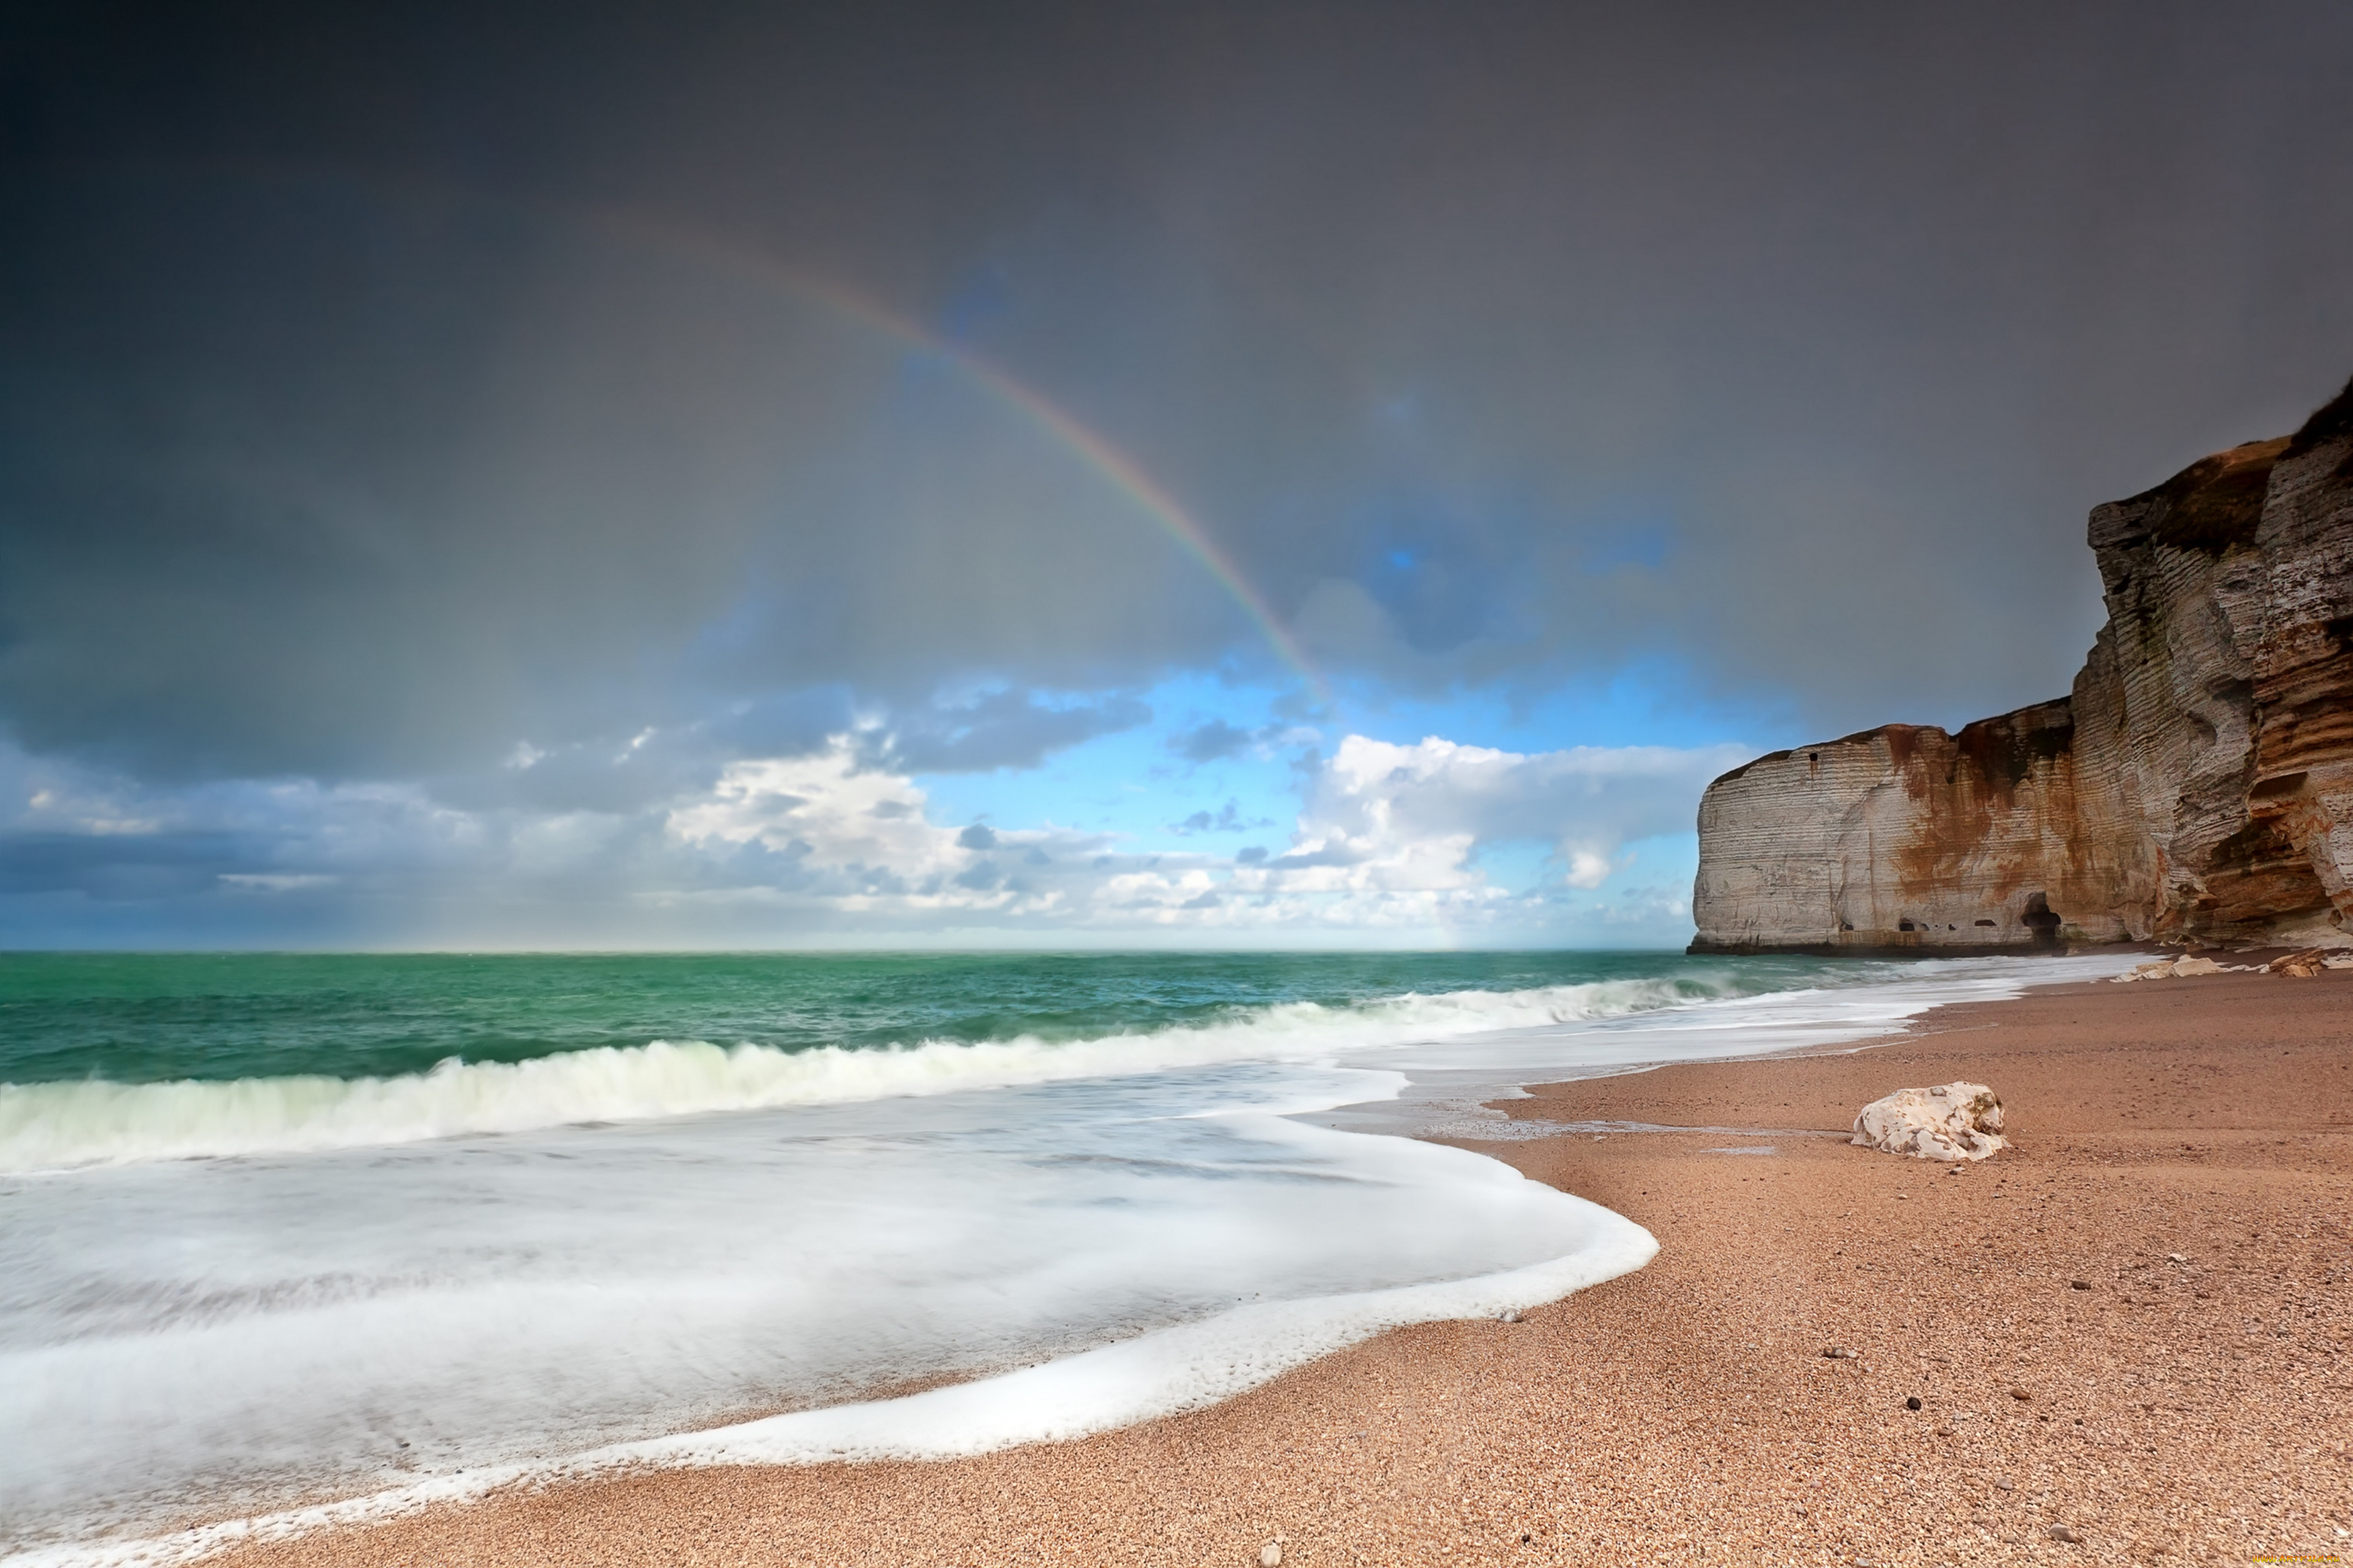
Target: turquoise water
column 146, row 1019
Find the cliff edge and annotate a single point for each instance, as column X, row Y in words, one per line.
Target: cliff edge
column 2197, row 785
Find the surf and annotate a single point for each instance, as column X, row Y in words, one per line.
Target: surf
column 95, row 1122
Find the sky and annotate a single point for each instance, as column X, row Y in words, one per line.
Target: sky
column 729, row 476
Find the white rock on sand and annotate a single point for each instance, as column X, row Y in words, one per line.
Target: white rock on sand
column 1952, row 1121
column 2184, row 966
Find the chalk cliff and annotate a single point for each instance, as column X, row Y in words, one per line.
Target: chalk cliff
column 2196, row 785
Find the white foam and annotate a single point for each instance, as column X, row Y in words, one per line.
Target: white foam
column 1142, row 1379
column 290, row 1324
column 59, row 1126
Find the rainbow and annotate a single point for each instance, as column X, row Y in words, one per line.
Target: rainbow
column 1066, row 431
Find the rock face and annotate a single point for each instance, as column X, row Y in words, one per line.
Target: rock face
column 1952, row 1121
column 2196, row 785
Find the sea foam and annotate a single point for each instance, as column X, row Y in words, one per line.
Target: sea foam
column 1155, row 1375
column 348, row 1321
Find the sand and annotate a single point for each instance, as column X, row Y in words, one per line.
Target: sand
column 2184, row 1150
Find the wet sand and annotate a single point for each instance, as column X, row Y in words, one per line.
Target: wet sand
column 2132, row 1327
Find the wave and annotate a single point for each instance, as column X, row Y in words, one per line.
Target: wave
column 60, row 1126
column 1156, row 1374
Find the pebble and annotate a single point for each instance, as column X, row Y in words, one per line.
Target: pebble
column 2079, row 1284
column 2061, row 1532
column 1913, row 1402
column 1270, row 1555
column 2020, row 1395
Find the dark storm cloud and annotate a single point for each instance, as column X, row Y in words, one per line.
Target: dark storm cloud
column 114, row 867
column 339, row 436
column 301, row 480
column 998, row 729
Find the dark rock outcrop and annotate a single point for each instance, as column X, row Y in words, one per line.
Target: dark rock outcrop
column 2197, row 785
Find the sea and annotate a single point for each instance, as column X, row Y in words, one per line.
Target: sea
column 301, row 1237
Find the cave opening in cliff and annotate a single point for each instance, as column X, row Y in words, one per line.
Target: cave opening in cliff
column 2040, row 919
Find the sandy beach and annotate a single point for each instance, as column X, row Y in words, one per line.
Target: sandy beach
column 2128, row 1336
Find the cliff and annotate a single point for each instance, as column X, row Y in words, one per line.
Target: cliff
column 2197, row 785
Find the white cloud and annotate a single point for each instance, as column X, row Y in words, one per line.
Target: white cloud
column 266, row 882
column 1419, row 813
column 822, row 808
column 1588, row 869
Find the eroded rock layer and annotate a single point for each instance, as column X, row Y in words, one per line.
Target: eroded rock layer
column 2196, row 785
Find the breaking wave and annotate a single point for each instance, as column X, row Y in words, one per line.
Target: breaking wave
column 58, row 1126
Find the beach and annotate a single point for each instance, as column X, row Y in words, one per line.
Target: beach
column 2128, row 1329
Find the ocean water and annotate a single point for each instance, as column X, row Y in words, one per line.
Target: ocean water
column 280, row 1230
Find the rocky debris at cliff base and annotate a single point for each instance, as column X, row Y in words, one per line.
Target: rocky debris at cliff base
column 2310, row 962
column 2181, row 968
column 1951, row 1121
column 2300, row 966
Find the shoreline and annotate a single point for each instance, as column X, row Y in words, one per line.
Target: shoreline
column 1687, row 1407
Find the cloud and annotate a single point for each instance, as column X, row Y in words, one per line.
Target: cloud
column 997, row 730
column 338, row 445
column 276, row 882
column 623, row 772
column 1423, row 811
column 825, row 845
column 1389, row 836
column 1227, row 818
column 583, row 485
column 1212, row 741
